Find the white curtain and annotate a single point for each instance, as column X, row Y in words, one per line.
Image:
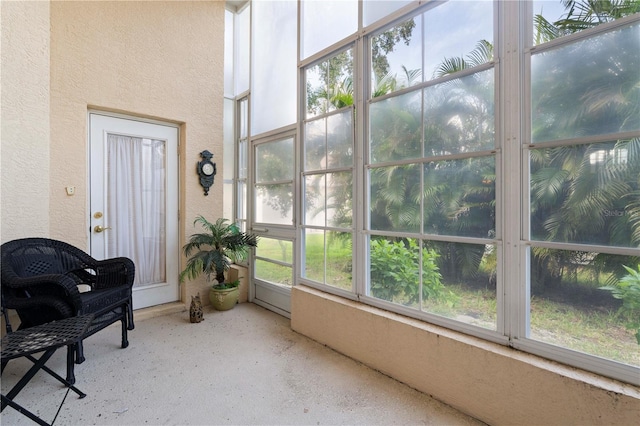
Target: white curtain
column 136, row 195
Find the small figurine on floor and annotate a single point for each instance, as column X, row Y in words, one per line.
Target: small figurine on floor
column 195, row 311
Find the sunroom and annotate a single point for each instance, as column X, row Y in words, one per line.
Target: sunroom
column 445, row 191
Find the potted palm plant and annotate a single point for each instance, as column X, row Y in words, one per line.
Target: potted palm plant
column 211, row 252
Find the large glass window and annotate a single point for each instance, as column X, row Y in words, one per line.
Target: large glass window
column 584, row 216
column 328, row 171
column 274, row 42
column 242, row 50
column 229, row 158
column 236, row 114
column 475, row 164
column 325, row 23
column 432, row 165
column 587, row 87
column 457, row 35
column 241, row 162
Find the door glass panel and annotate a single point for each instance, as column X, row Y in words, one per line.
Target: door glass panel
column 274, row 261
column 274, row 161
column 136, row 204
column 274, row 182
column 274, row 204
column 275, row 249
column 273, row 195
column 273, row 273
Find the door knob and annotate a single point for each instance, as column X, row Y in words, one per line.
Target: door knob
column 99, row 228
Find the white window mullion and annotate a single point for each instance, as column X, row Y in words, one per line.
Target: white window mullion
column 509, row 71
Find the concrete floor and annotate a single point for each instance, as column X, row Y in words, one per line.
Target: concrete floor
column 242, row 367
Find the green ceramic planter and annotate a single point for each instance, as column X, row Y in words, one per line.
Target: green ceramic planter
column 224, row 299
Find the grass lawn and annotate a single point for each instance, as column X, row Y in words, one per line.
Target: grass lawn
column 596, row 332
column 566, row 321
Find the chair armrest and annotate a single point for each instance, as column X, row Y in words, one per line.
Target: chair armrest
column 114, row 272
column 55, row 279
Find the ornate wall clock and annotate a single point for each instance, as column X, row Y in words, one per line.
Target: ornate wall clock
column 206, row 170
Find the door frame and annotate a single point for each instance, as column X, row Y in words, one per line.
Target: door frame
column 273, row 297
column 170, row 257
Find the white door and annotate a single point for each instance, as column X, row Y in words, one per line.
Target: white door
column 134, row 202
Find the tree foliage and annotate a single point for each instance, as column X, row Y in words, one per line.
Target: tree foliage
column 395, row 273
column 583, row 194
column 386, row 42
column 588, row 193
column 628, row 290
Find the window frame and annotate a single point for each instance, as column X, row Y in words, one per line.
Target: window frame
column 520, row 318
column 513, row 50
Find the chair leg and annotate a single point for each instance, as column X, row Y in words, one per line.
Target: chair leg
column 125, row 340
column 71, row 378
column 130, row 323
column 79, row 350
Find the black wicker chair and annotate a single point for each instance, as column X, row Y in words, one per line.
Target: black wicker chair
column 41, row 279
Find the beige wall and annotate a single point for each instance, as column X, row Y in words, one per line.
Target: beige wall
column 493, row 383
column 24, row 117
column 153, row 59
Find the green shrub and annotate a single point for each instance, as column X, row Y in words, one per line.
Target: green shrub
column 628, row 290
column 395, row 273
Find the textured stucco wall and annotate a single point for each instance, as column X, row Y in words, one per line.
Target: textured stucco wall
column 24, row 117
column 493, row 383
column 153, row 59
